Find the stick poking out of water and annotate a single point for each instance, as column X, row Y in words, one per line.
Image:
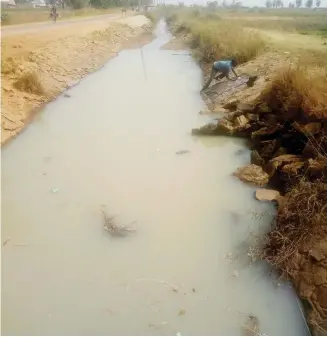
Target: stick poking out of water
column 114, row 228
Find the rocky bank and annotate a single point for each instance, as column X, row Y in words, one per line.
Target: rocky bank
column 288, row 154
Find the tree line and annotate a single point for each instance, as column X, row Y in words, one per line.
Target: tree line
column 297, row 4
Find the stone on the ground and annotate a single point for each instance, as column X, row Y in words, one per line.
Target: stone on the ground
column 256, row 159
column 252, row 174
column 310, row 129
column 231, row 105
column 221, row 127
column 245, row 107
column 267, row 195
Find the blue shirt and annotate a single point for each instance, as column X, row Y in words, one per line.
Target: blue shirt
column 223, row 66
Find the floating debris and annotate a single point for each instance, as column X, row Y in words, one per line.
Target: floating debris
column 113, row 228
column 193, row 289
column 235, row 274
column 229, row 257
column 182, row 312
column 179, row 152
column 55, row 190
column 67, row 95
column 251, row 326
column 5, row 242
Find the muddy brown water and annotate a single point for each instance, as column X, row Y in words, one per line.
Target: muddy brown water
column 113, row 142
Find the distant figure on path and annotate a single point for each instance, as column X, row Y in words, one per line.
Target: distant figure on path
column 123, row 11
column 223, row 69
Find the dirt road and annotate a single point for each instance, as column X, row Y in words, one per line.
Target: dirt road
column 36, row 27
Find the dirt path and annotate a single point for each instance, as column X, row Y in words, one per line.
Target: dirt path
column 37, row 26
column 38, row 67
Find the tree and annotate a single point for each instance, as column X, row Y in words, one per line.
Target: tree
column 318, row 3
column 212, row 5
column 298, row 3
column 268, row 4
column 309, row 3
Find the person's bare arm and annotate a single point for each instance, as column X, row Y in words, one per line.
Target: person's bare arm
column 231, row 79
column 234, row 72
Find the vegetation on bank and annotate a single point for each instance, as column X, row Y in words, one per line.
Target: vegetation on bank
column 212, row 38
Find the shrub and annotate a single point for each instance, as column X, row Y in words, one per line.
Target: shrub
column 78, row 4
column 29, row 82
column 297, row 92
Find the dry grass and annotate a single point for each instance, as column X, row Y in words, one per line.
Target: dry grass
column 29, row 82
column 214, row 39
column 301, row 219
column 298, row 92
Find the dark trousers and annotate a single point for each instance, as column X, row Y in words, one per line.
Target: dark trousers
column 214, row 72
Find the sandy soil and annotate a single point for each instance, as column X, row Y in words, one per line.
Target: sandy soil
column 58, row 59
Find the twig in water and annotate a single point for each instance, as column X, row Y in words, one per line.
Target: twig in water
column 172, row 286
column 245, row 327
column 114, row 228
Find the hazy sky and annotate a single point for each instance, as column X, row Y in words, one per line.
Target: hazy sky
column 250, row 3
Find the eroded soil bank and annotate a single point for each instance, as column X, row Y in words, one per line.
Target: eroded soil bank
column 37, row 67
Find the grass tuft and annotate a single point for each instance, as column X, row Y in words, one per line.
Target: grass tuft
column 301, row 219
column 297, row 92
column 29, row 82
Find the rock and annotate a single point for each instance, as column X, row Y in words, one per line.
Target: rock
column 231, row 105
column 245, row 107
column 309, row 150
column 316, row 168
column 251, row 81
column 280, row 152
column 231, row 116
column 266, row 131
column 286, row 159
column 267, row 195
column 310, row 129
column 223, row 127
column 242, row 122
column 256, row 159
column 316, row 254
column 252, row 117
column 252, row 174
column 293, row 168
column 267, row 148
column 264, row 109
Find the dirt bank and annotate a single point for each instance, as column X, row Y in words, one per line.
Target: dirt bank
column 38, row 67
